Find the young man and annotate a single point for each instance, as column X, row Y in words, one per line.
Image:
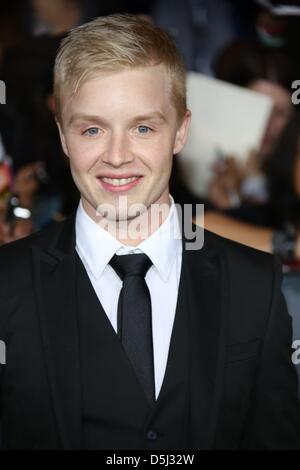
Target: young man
column 119, row 334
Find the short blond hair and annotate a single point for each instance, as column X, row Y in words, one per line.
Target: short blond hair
column 114, row 43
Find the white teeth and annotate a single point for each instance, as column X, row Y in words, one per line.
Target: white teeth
column 119, row 181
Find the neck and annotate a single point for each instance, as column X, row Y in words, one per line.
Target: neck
column 132, row 232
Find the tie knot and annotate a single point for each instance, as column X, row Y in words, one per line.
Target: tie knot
column 131, row 265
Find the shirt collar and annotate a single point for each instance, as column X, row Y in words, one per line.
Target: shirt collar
column 162, row 246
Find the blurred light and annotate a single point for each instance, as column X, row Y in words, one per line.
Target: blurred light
column 281, row 8
column 22, row 213
column 14, row 201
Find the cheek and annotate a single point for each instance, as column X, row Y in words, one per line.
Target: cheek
column 161, row 169
column 161, row 162
column 82, row 156
column 162, row 153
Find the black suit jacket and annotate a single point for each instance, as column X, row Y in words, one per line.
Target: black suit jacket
column 243, row 385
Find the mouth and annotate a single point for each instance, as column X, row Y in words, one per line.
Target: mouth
column 119, row 184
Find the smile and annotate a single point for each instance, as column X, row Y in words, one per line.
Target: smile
column 119, row 184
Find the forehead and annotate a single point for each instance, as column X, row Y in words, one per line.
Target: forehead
column 129, row 90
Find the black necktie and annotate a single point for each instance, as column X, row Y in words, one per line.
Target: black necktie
column 134, row 317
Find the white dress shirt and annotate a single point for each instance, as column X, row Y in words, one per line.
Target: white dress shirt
column 95, row 247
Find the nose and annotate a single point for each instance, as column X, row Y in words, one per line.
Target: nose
column 118, row 151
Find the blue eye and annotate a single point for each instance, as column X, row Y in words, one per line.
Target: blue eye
column 92, row 131
column 144, row 129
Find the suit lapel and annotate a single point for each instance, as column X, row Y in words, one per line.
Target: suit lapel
column 207, row 300
column 207, row 305
column 54, row 279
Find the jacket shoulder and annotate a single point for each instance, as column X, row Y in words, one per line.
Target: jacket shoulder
column 15, row 257
column 237, row 253
column 253, row 282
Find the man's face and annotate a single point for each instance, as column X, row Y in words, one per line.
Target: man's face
column 47, row 11
column 281, row 113
column 120, row 132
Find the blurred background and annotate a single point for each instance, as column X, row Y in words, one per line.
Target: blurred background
column 251, row 45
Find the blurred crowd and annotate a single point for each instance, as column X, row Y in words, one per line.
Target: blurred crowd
column 251, row 44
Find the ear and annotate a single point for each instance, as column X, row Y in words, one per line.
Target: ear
column 62, row 137
column 182, row 133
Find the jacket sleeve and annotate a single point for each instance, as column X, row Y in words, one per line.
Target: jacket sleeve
column 274, row 418
column 2, row 365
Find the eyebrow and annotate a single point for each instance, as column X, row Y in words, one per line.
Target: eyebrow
column 155, row 115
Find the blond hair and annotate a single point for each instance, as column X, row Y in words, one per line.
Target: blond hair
column 114, row 43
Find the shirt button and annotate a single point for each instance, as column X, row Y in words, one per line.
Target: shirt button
column 152, row 435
